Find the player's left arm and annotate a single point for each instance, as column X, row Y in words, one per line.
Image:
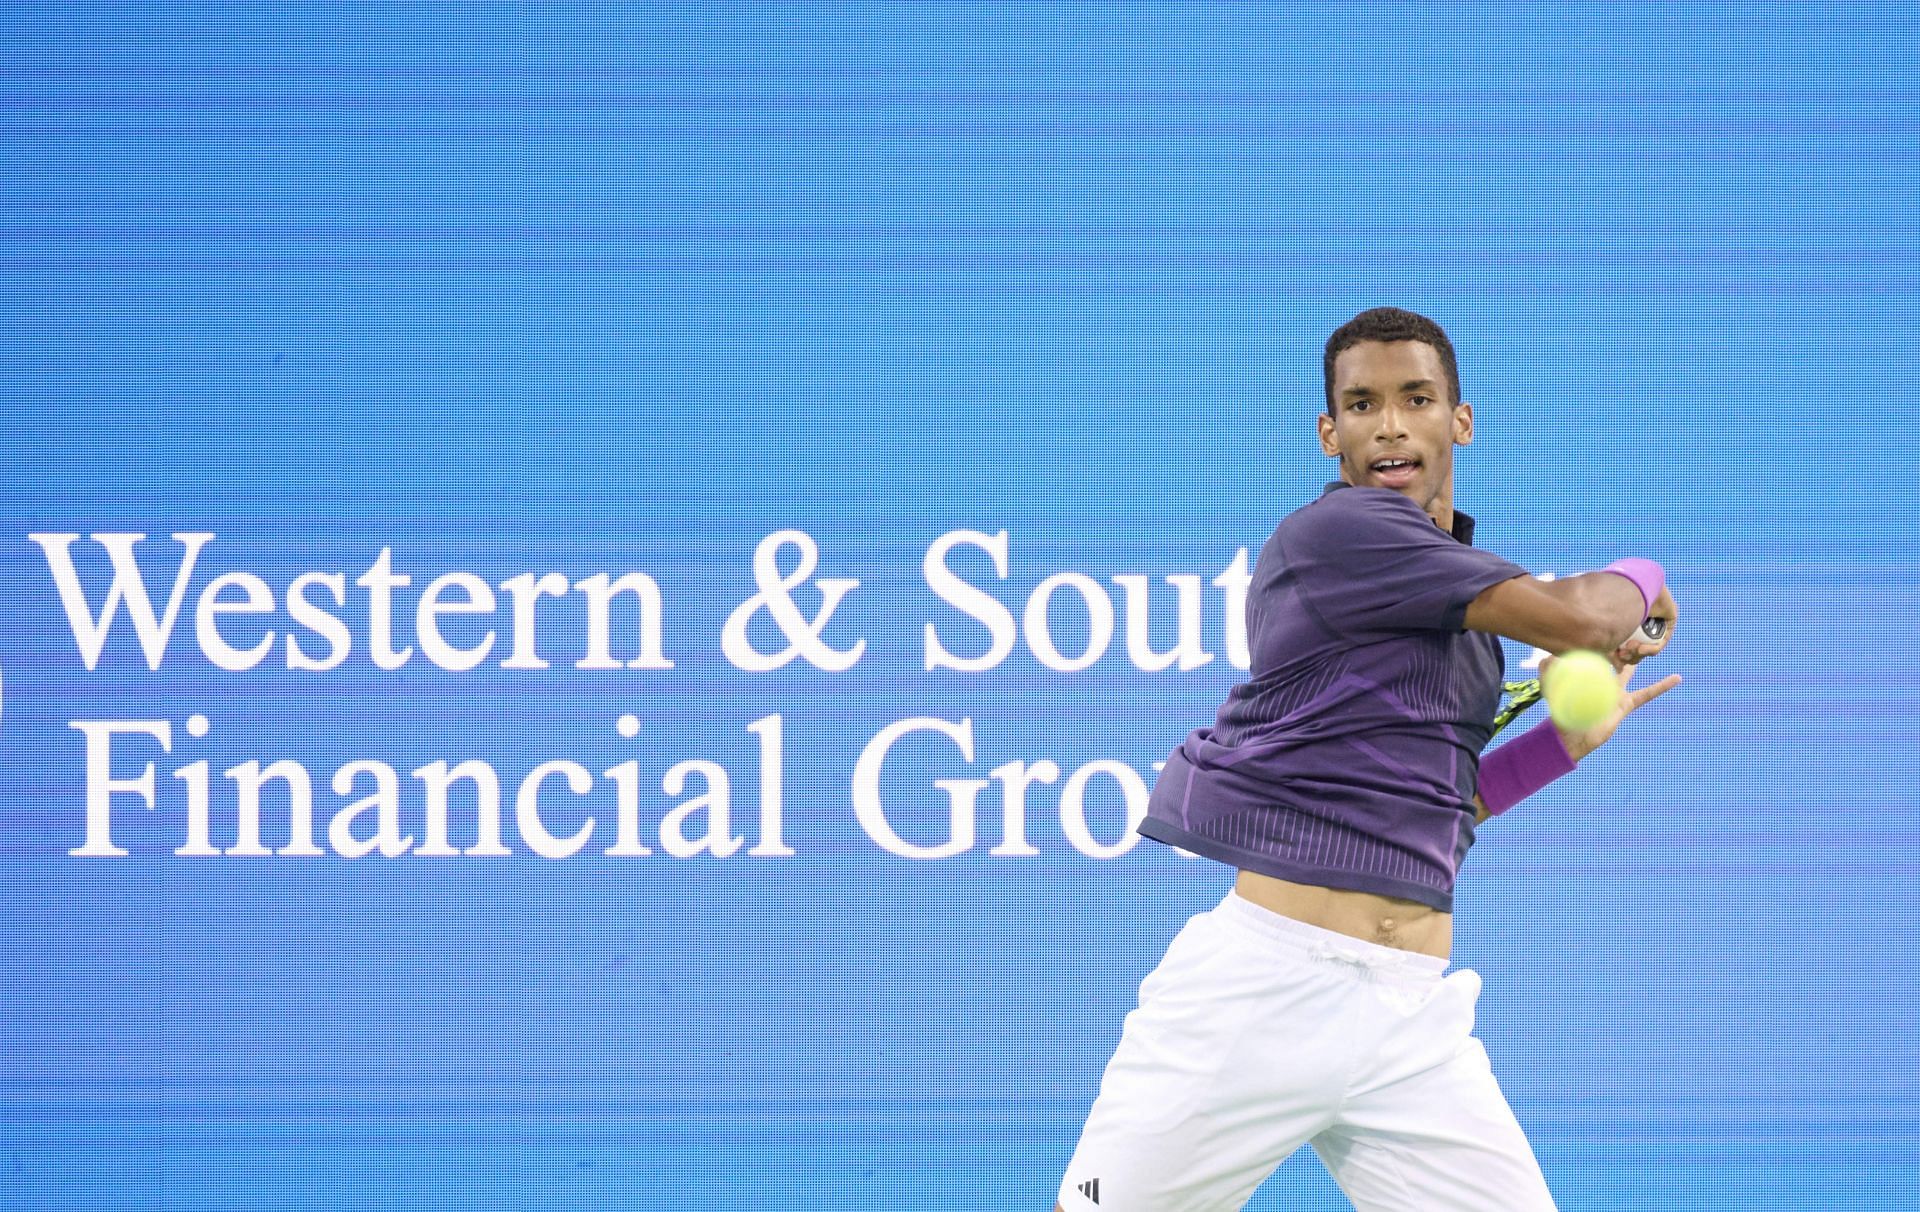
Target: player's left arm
column 1649, row 639
column 1580, row 744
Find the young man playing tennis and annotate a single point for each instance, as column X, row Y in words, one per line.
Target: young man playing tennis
column 1343, row 782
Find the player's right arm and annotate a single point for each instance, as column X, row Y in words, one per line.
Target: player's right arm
column 1595, row 610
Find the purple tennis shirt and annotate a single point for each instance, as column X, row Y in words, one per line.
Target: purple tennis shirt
column 1350, row 757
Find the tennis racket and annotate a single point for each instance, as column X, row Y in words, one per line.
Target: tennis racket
column 1524, row 694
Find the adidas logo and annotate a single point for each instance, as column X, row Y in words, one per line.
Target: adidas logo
column 1091, row 1189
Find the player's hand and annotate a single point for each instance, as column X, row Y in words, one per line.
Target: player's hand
column 1580, row 744
column 1651, row 636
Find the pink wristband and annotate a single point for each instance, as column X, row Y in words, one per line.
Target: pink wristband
column 1648, row 577
column 1523, row 766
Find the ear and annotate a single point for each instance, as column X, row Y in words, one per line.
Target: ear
column 1463, row 424
column 1329, row 443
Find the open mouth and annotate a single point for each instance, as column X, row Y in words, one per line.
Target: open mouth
column 1394, row 471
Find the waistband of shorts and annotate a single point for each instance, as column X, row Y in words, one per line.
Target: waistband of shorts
column 1301, row 937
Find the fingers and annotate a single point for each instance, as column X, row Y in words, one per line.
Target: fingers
column 1646, row 694
column 1638, row 646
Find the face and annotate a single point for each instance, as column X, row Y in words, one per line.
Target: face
column 1392, row 426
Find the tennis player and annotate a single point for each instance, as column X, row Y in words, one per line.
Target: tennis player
column 1343, row 782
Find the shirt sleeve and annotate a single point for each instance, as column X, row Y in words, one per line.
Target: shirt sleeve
column 1369, row 562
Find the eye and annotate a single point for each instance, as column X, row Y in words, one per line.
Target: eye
column 1359, row 405
column 1420, row 401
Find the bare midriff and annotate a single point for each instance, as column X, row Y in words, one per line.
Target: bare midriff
column 1386, row 920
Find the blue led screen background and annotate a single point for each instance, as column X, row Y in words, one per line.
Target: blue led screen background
column 1008, row 314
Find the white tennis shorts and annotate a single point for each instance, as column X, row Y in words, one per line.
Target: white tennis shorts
column 1258, row 1033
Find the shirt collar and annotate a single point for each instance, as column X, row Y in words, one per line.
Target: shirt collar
column 1462, row 520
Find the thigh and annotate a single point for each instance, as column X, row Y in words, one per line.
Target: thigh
column 1203, row 1098
column 1439, row 1138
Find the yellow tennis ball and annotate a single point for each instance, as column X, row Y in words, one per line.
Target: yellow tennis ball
column 1581, row 689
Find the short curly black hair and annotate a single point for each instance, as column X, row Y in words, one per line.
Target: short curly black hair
column 1390, row 324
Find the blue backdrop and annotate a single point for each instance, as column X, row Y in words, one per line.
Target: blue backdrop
column 564, row 291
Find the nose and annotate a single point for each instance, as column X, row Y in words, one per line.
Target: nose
column 1393, row 423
